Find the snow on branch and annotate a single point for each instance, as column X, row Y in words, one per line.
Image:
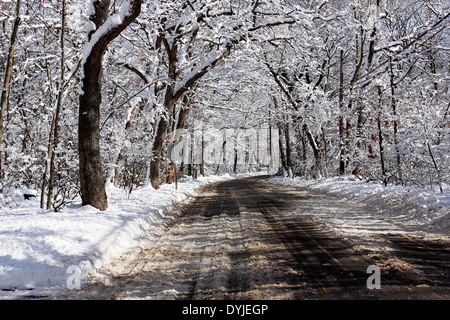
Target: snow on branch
column 399, row 46
column 200, row 71
column 110, row 29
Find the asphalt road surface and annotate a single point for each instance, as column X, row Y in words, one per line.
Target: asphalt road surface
column 249, row 239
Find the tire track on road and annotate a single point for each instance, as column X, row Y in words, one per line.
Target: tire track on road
column 247, row 239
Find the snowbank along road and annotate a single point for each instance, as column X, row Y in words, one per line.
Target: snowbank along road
column 249, row 239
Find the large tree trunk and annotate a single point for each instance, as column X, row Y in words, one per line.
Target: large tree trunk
column 91, row 172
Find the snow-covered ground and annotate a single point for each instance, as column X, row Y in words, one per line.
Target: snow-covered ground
column 42, row 250
column 369, row 215
column 410, row 207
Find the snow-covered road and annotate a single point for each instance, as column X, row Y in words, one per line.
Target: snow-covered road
column 251, row 239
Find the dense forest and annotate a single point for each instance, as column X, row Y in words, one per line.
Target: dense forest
column 92, row 91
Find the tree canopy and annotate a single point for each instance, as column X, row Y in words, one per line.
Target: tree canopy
column 330, row 87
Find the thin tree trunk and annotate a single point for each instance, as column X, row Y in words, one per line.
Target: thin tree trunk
column 58, row 108
column 223, row 155
column 341, row 117
column 191, row 155
column 47, row 160
column 235, row 154
column 313, row 144
column 8, row 72
column 202, row 155
column 287, row 138
column 280, row 146
column 394, row 109
column 301, row 134
column 325, row 152
column 435, row 166
column 304, row 153
column 128, row 126
column 380, row 142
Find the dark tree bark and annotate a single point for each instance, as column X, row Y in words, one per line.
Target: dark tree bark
column 280, row 146
column 58, row 110
column 91, row 172
column 394, row 110
column 380, row 142
column 158, row 144
column 341, row 117
column 287, row 138
column 8, row 71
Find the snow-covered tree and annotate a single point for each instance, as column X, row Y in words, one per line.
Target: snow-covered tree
column 346, row 87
